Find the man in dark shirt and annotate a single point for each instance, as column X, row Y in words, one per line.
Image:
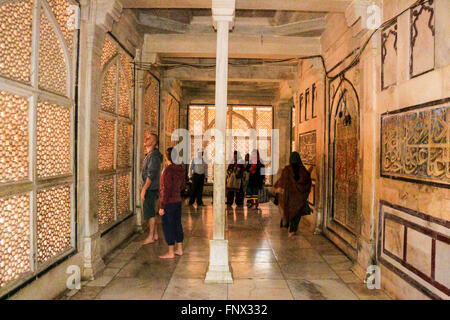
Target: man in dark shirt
column 151, row 172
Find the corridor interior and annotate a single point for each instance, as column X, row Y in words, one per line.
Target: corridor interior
column 266, row 264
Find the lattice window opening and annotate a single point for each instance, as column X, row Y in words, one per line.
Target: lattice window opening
column 123, row 195
column 15, row 244
column 14, row 137
column 105, row 195
column 56, row 48
column 115, row 148
column 16, row 40
column 57, row 88
column 109, row 87
column 54, row 222
column 237, row 119
column 54, row 140
column 151, row 102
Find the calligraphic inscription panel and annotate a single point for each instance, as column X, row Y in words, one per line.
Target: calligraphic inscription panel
column 415, row 145
column 307, row 143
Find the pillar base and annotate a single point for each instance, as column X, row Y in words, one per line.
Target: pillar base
column 219, row 269
column 317, row 231
column 92, row 262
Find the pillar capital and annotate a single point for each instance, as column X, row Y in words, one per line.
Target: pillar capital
column 223, row 10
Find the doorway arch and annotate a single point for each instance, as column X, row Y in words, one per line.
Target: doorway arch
column 343, row 208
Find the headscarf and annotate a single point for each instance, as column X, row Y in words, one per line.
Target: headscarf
column 254, row 163
column 296, row 162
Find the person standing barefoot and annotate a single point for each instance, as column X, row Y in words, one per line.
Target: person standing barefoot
column 150, row 181
column 172, row 183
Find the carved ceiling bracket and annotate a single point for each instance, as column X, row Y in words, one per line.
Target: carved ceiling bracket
column 108, row 12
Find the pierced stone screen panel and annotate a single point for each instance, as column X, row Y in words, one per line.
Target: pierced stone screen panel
column 36, row 132
column 15, row 39
column 123, row 195
column 14, row 120
column 123, row 145
column 124, row 97
column 172, row 123
column 14, row 238
column 109, row 51
column 54, row 222
column 53, row 140
column 151, row 102
column 109, row 88
column 264, row 118
column 115, row 131
column 63, row 13
column 52, row 63
column 105, row 151
column 415, row 143
column 105, row 191
column 196, row 120
column 242, row 118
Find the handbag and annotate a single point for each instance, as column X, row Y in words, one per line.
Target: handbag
column 263, row 195
column 233, row 182
column 306, row 210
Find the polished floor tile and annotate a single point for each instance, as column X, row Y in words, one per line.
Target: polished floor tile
column 259, row 289
column 194, row 289
column 325, row 289
column 265, row 264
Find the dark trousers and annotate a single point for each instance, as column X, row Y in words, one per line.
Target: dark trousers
column 171, row 223
column 235, row 196
column 198, row 181
column 291, row 224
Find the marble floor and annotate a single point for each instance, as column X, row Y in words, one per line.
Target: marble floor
column 266, row 264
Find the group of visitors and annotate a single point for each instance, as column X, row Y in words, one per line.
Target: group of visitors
column 166, row 186
column 245, row 179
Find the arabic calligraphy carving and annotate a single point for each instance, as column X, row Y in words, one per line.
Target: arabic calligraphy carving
column 307, row 143
column 416, row 144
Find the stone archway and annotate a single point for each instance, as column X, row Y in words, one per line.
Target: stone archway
column 343, row 209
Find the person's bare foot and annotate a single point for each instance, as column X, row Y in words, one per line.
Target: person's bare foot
column 179, row 252
column 167, row 256
column 147, row 241
column 156, row 238
column 291, row 234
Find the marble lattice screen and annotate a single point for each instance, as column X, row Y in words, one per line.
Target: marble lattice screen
column 239, row 118
column 37, row 196
column 115, row 135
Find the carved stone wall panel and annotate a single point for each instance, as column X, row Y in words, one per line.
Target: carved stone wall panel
column 416, row 246
column 307, row 147
column 415, row 143
column 346, row 174
column 422, row 38
column 389, row 56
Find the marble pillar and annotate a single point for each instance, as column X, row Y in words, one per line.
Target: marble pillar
column 219, row 268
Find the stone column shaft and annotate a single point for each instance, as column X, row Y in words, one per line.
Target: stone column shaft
column 221, row 122
column 219, row 269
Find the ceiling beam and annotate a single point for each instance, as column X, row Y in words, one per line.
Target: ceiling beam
column 245, row 73
column 240, row 46
column 173, row 26
column 161, row 23
column 286, row 29
column 289, row 5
